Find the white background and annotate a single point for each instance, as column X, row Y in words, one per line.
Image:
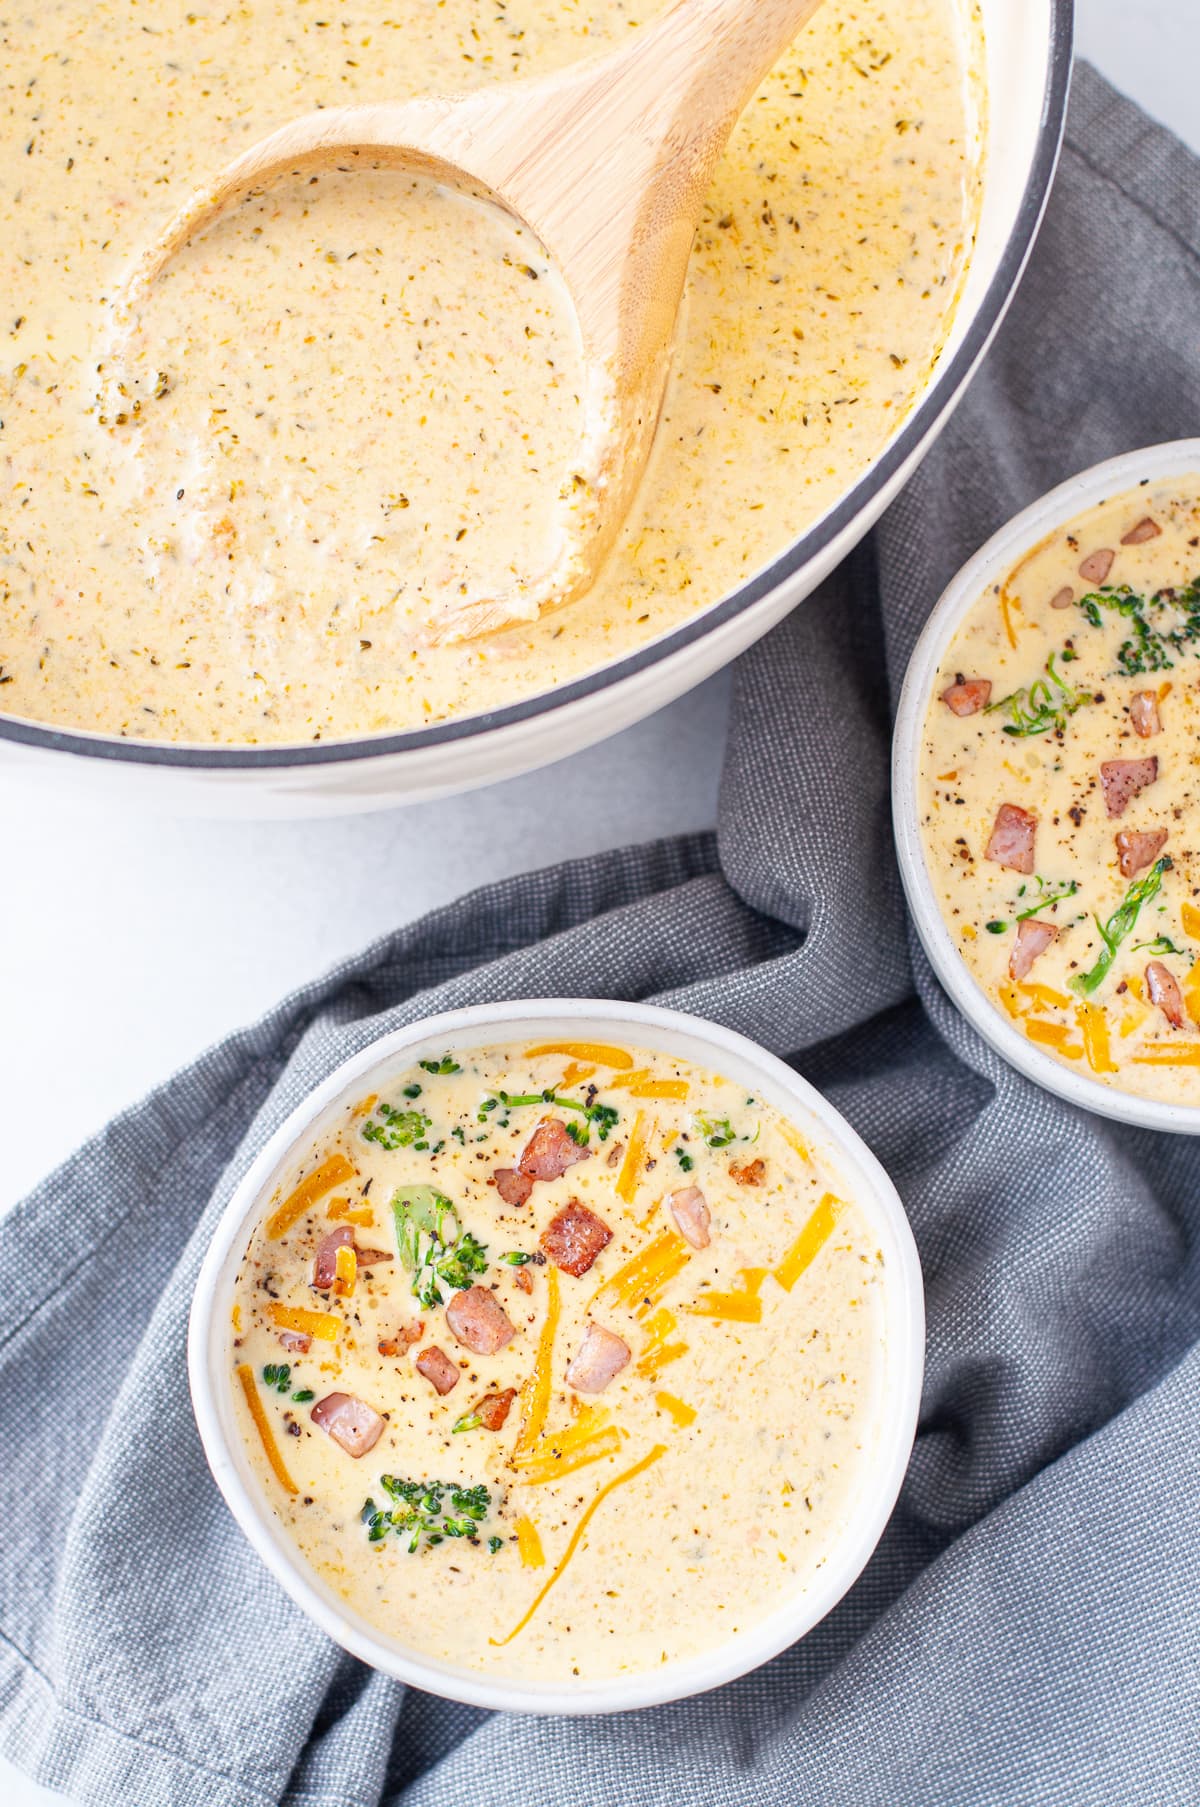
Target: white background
column 127, row 945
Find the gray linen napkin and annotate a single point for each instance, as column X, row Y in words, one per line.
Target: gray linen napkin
column 1027, row 1630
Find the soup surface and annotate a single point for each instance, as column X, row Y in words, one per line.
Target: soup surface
column 561, row 1361
column 1060, row 792
column 355, row 395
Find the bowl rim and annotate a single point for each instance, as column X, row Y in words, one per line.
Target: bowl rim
column 1087, row 488
column 896, row 1405
column 945, row 385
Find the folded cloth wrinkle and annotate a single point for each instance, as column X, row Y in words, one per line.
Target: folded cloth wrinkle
column 1026, row 1630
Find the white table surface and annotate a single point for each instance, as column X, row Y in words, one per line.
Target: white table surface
column 130, row 944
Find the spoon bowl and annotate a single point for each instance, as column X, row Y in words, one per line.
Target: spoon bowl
column 607, row 163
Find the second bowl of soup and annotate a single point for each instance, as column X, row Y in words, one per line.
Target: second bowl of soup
column 1046, row 795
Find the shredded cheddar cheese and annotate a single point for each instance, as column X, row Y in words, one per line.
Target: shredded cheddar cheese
column 810, row 1242
column 262, row 1425
column 589, row 1512
column 321, row 1324
column 335, row 1170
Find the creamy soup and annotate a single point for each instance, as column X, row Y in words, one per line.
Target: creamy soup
column 1060, row 792
column 356, row 397
column 563, row 1360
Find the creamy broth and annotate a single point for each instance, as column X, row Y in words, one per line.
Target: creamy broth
column 671, row 1436
column 352, row 393
column 1060, row 792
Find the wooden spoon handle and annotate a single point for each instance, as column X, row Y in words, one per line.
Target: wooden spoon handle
column 718, row 51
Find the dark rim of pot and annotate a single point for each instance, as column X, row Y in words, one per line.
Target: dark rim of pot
column 948, row 380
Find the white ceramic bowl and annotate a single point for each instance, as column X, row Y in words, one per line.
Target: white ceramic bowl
column 990, row 565
column 1027, row 69
column 210, row 1366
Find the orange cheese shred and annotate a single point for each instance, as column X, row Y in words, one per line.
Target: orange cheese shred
column 1044, row 996
column 345, row 1272
column 1051, row 1035
column 635, row 1154
column 658, row 1353
column 676, row 1409
column 796, row 1142
column 235, row 1318
column 365, row 1104
column 643, row 1279
column 577, row 1536
column 660, row 1088
column 1093, row 1026
column 1191, row 994
column 575, row 1074
column 341, row 1211
column 1187, row 1054
column 336, row 1171
column 1190, row 917
column 1007, row 604
column 529, row 1544
column 563, row 1453
column 599, row 1054
column 262, row 1425
column 321, row 1324
column 535, row 1394
column 742, row 1306
column 810, row 1242
column 625, row 1081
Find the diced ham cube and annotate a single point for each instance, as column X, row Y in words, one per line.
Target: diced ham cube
column 967, row 696
column 494, row 1408
column 1143, row 713
column 1097, row 565
column 325, row 1265
column 438, row 1369
column 1164, row 991
column 550, row 1151
column 513, row 1186
column 1033, row 938
column 750, row 1173
column 371, row 1257
column 1123, row 779
column 1141, row 531
column 353, row 1425
column 1062, row 599
column 574, row 1237
column 1138, row 848
column 403, row 1340
column 1012, row 838
column 690, row 1210
column 479, row 1322
column 601, row 1356
column 296, row 1342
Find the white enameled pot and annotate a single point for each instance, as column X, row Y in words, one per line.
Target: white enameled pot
column 1026, row 76
column 992, row 563
column 888, row 1439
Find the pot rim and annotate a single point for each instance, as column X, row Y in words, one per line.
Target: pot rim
column 947, row 382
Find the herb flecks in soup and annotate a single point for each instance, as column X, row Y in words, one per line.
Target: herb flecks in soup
column 1060, row 792
column 356, row 396
column 561, row 1360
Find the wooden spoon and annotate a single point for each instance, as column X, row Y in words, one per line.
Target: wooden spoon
column 607, row 162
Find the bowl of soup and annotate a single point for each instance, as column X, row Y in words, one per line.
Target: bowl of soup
column 228, row 570
column 1045, row 789
column 561, row 1356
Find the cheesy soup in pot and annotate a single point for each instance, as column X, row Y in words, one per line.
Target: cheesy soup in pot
column 357, row 395
column 1059, row 792
column 562, row 1360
